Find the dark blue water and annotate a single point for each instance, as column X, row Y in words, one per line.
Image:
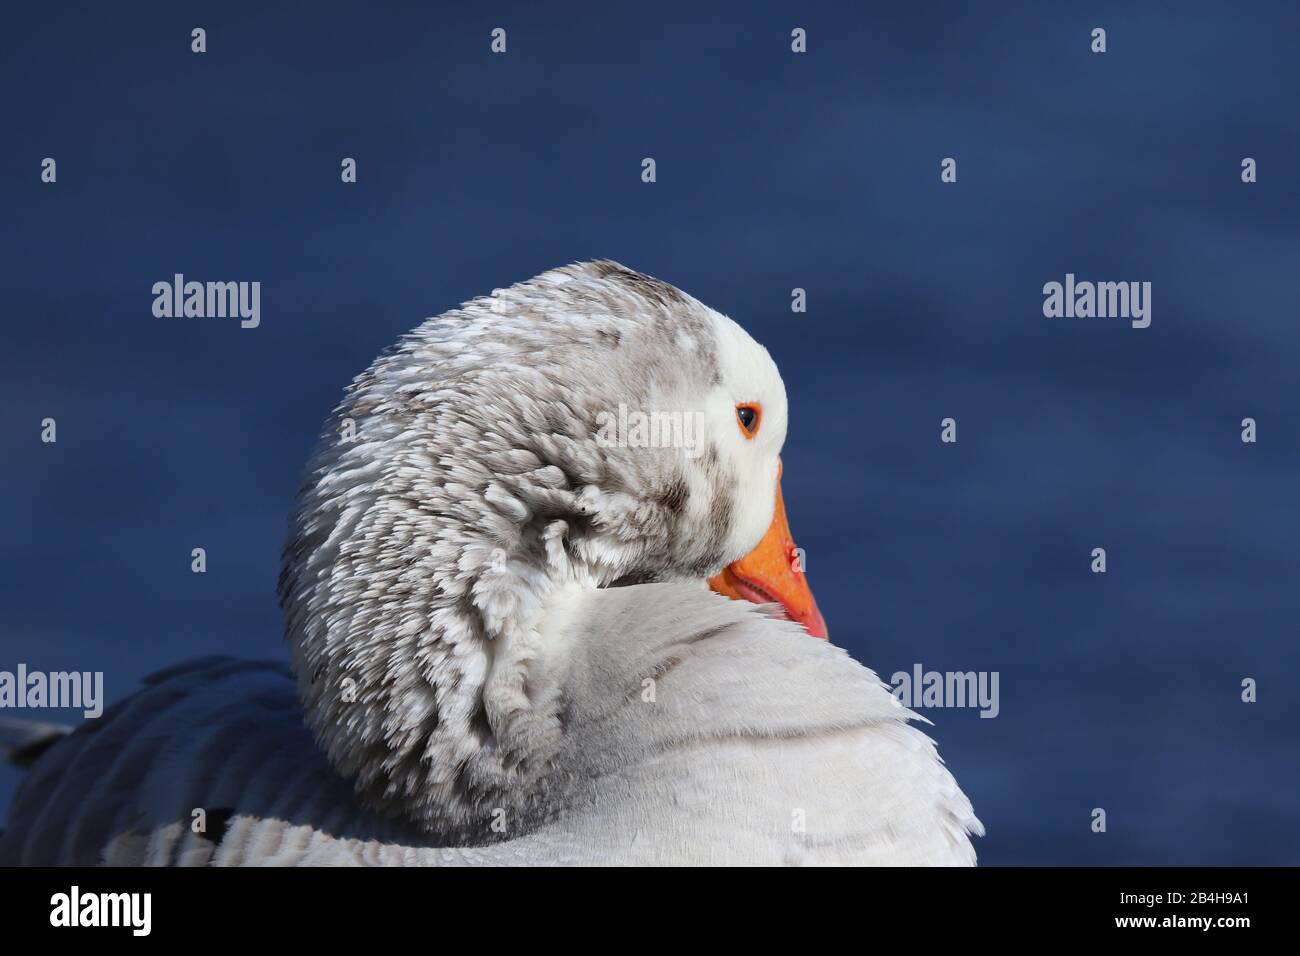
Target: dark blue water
column 1119, row 691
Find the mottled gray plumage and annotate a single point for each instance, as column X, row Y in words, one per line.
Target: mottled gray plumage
column 480, row 596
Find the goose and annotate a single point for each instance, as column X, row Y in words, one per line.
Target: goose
column 519, row 639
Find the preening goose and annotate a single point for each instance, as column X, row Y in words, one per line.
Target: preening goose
column 504, row 647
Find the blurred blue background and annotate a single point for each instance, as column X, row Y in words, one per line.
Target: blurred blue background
column 775, row 170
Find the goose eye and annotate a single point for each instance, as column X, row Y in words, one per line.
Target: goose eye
column 749, row 417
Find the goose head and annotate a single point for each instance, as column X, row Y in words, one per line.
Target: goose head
column 586, row 429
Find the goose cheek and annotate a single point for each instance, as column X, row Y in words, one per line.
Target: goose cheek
column 772, row 574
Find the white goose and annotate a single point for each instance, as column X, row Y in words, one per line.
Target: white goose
column 504, row 647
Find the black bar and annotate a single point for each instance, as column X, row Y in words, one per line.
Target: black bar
column 380, row 908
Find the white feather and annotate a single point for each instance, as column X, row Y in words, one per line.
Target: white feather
column 475, row 689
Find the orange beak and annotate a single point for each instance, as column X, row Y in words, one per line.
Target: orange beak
column 773, row 574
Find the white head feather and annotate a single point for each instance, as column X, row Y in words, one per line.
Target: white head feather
column 425, row 552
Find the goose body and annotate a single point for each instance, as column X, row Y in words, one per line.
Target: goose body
column 505, row 652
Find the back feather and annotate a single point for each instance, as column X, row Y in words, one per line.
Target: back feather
column 750, row 726
column 22, row 741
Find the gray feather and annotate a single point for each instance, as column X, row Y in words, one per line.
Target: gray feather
column 503, row 652
column 22, row 741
